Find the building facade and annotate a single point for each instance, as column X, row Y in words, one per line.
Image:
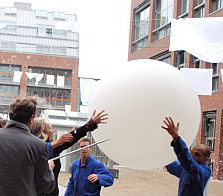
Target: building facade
column 39, row 55
column 149, row 38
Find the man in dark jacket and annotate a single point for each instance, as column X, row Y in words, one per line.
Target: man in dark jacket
column 87, row 174
column 24, row 167
column 191, row 168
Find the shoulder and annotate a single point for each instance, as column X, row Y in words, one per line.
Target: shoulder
column 76, row 163
column 97, row 163
column 206, row 170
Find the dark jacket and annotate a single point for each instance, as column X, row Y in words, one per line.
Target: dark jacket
column 24, row 162
column 193, row 176
column 79, row 185
column 77, row 134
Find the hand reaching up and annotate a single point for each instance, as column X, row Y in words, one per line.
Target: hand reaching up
column 100, row 117
column 171, row 128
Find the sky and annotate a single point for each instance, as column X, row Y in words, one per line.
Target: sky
column 104, row 31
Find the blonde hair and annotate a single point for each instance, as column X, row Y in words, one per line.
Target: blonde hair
column 39, row 128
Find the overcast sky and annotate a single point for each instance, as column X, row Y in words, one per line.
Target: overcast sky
column 103, row 27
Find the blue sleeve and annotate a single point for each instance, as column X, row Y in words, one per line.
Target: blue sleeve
column 105, row 177
column 184, row 156
column 174, row 168
column 70, row 185
column 50, row 150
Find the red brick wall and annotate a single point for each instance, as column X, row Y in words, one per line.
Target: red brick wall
column 26, row 60
column 208, row 103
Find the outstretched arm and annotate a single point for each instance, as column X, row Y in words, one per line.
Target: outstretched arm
column 180, row 148
column 77, row 133
column 171, row 128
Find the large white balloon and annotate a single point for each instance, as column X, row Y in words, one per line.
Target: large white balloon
column 137, row 99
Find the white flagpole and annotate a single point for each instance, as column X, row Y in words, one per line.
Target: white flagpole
column 53, row 159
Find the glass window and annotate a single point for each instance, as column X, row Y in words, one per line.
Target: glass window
column 51, row 71
column 8, row 45
column 59, row 33
column 50, row 98
column 10, row 11
column 200, row 11
column 41, row 14
column 59, row 50
column 6, row 72
column 59, row 15
column 184, row 6
column 41, row 31
column 181, row 58
column 209, row 121
column 164, row 15
column 8, row 93
column 215, row 77
column 49, row 32
column 9, row 29
column 43, row 49
column 196, row 62
column 166, row 58
column 216, row 5
column 141, row 29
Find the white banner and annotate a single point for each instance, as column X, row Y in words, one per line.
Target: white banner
column 200, row 79
column 201, row 37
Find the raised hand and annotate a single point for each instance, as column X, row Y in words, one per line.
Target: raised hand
column 100, row 117
column 171, row 128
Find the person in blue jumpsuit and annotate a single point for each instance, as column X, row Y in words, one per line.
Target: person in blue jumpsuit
column 191, row 169
column 87, row 174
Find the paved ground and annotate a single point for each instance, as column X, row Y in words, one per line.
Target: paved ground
column 145, row 183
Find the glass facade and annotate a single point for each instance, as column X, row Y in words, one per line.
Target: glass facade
column 38, row 31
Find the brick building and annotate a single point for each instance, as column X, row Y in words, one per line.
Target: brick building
column 149, row 38
column 38, row 57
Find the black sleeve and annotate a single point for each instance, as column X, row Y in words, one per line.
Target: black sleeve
column 77, row 134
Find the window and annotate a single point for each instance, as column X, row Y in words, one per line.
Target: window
column 50, row 71
column 6, row 72
column 49, row 32
column 10, row 11
column 42, row 14
column 163, row 57
column 8, row 93
column 59, row 50
column 184, row 7
column 10, row 29
column 53, row 98
column 196, row 62
column 199, row 9
column 141, row 28
column 43, row 49
column 216, row 5
column 209, row 121
column 8, row 45
column 59, row 33
column 59, row 15
column 164, row 15
column 181, row 58
column 215, row 77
